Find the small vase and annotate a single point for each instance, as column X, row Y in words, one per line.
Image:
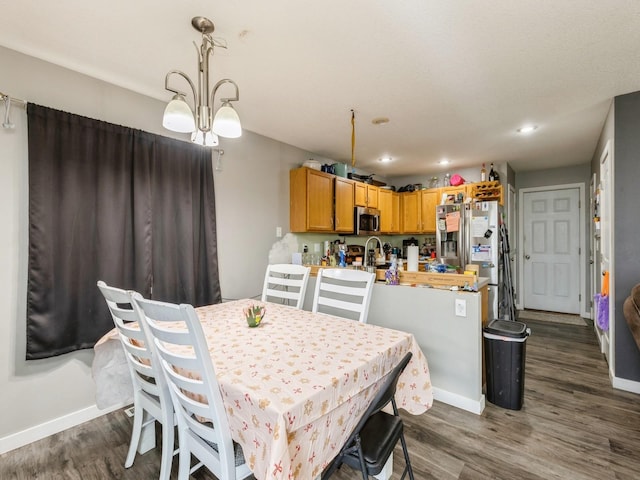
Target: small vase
column 254, row 321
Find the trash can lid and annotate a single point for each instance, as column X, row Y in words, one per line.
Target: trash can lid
column 507, row 328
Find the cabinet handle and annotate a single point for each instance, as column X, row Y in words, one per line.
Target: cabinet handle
column 527, row 257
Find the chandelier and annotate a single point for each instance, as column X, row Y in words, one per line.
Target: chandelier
column 204, row 126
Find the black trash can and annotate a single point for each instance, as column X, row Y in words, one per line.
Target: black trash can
column 504, row 355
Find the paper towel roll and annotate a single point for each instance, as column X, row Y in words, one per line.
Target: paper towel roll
column 412, row 258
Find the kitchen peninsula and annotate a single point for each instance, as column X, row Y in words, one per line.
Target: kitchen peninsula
column 448, row 327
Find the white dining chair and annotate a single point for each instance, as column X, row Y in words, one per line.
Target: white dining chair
column 287, row 283
column 151, row 398
column 203, row 427
column 342, row 292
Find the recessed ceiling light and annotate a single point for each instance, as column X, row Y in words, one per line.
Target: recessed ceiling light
column 527, row 129
column 444, row 161
column 380, row 121
column 385, row 159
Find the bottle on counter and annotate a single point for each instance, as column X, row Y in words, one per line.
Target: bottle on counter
column 483, row 174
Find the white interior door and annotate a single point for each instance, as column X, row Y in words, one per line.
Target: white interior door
column 551, row 250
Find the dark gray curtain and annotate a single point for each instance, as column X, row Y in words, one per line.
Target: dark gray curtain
column 116, row 204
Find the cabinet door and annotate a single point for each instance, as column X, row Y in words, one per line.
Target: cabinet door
column 360, row 194
column 410, row 208
column 395, row 211
column 319, row 201
column 344, row 205
column 452, row 192
column 385, row 204
column 429, row 200
column 372, row 196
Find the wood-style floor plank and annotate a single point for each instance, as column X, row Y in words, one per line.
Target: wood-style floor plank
column 573, row 425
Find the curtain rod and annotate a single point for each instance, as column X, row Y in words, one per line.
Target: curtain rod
column 4, row 96
column 7, row 108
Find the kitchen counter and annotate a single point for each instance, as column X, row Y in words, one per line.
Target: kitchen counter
column 421, row 278
column 452, row 343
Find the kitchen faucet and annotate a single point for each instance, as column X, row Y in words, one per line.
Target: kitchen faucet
column 366, row 251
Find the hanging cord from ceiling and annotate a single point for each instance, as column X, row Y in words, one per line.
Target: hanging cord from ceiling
column 353, row 138
column 7, row 100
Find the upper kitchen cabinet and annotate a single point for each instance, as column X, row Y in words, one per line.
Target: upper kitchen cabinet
column 418, row 211
column 389, row 206
column 453, row 192
column 366, row 195
column 410, row 212
column 344, row 198
column 429, row 199
column 311, row 195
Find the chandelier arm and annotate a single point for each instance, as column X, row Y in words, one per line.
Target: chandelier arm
column 203, row 96
column 178, row 92
column 219, row 84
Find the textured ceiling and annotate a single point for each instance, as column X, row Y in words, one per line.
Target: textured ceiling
column 456, row 78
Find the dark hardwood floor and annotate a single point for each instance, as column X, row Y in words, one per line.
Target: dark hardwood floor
column 573, row 426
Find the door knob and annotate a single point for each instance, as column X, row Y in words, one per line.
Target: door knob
column 527, row 257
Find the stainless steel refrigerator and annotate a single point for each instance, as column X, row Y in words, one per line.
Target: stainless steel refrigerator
column 469, row 234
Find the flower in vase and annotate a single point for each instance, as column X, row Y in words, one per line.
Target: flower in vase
column 254, row 314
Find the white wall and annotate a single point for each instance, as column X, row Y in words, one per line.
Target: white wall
column 252, row 198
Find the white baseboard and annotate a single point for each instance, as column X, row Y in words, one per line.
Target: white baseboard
column 38, row 432
column 626, row 385
column 458, row 401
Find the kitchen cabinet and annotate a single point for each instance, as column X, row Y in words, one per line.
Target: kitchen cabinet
column 389, row 206
column 410, row 212
column 366, row 195
column 322, row 202
column 419, row 211
column 344, row 205
column 454, row 191
column 311, row 200
column 372, row 196
column 429, row 199
column 395, row 205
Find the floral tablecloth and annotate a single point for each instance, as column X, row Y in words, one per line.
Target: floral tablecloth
column 295, row 387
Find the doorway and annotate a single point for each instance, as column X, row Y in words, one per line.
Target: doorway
column 552, row 239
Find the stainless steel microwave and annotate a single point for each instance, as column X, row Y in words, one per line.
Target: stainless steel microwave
column 367, row 221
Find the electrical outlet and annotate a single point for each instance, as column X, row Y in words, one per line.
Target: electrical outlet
column 461, row 307
column 278, row 232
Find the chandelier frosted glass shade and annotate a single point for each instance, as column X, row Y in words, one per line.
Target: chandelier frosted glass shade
column 200, row 120
column 178, row 116
column 227, row 122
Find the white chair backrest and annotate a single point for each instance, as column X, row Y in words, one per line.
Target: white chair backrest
column 286, row 282
column 150, row 390
column 146, row 378
column 192, row 381
column 343, row 292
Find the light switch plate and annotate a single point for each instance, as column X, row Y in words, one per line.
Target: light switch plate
column 461, row 307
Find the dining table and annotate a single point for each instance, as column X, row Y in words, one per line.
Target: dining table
column 295, row 386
